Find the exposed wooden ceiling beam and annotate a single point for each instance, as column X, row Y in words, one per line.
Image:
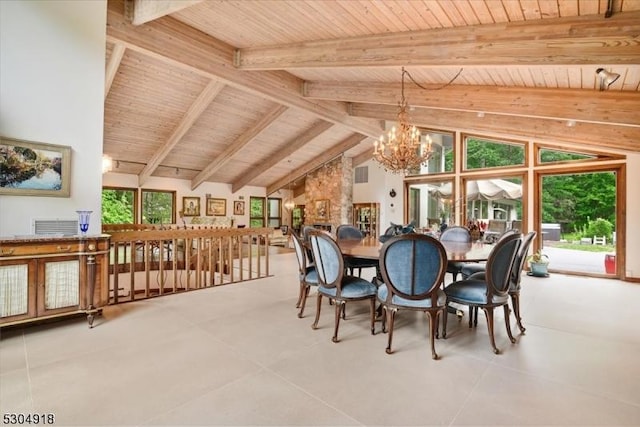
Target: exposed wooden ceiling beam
column 142, row 11
column 169, row 40
column 605, row 107
column 112, row 67
column 244, row 139
column 588, row 39
column 362, row 157
column 289, row 148
column 328, row 155
column 593, row 135
column 195, row 110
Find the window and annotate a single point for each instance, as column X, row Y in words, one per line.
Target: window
column 274, row 212
column 482, row 153
column 442, row 158
column 256, row 212
column 430, row 204
column 158, row 207
column 119, row 205
column 494, row 199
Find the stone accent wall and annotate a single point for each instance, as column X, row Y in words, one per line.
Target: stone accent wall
column 332, row 186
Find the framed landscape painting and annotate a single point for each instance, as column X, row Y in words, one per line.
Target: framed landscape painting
column 216, row 207
column 34, row 169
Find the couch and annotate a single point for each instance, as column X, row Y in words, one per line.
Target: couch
column 214, row 221
column 279, row 237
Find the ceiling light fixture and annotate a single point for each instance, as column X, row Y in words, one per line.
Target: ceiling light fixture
column 403, row 149
column 289, row 203
column 606, row 78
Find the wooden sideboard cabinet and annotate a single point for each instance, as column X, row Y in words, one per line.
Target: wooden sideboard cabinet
column 47, row 277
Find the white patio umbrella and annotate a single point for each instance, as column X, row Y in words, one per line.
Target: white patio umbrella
column 483, row 189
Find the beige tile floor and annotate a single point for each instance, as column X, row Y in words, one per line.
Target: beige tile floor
column 237, row 355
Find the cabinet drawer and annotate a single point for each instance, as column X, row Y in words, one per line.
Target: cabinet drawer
column 48, row 248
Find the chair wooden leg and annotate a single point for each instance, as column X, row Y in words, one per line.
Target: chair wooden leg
column 433, row 326
column 373, row 316
column 391, row 316
column 300, row 295
column 475, row 317
column 515, row 302
column 445, row 314
column 488, row 311
column 339, row 310
column 318, row 305
column 471, row 310
column 384, row 318
column 507, row 316
column 305, row 293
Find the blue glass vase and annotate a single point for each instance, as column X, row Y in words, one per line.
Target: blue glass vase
column 83, row 221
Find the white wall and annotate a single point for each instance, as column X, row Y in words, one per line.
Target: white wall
column 632, row 267
column 182, row 187
column 52, row 65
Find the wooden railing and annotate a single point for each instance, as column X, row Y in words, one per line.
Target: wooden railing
column 146, row 262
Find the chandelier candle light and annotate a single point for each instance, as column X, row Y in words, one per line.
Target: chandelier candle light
column 403, row 150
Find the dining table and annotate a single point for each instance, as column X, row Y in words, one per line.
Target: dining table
column 369, row 248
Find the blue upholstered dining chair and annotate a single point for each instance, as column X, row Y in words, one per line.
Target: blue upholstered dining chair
column 515, row 280
column 307, row 273
column 460, row 234
column 469, row 268
column 334, row 283
column 351, row 232
column 492, row 290
column 413, row 267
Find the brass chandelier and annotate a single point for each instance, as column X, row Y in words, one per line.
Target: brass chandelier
column 402, row 151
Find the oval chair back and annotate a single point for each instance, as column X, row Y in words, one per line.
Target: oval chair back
column 348, row 231
column 521, row 258
column 499, row 266
column 456, row 233
column 328, row 260
column 413, row 266
column 300, row 253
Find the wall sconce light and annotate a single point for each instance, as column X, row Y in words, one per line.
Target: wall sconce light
column 107, row 163
column 606, row 78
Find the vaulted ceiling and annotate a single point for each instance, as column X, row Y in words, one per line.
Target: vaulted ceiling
column 262, row 92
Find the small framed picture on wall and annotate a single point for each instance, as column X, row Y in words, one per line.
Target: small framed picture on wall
column 238, row 207
column 191, row 206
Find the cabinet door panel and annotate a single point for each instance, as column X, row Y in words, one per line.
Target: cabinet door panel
column 17, row 299
column 60, row 284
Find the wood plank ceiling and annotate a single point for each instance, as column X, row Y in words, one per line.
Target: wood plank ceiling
column 261, row 92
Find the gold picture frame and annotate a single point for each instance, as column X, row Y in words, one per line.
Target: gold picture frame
column 191, row 206
column 322, row 209
column 34, row 168
column 238, row 207
column 216, row 207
